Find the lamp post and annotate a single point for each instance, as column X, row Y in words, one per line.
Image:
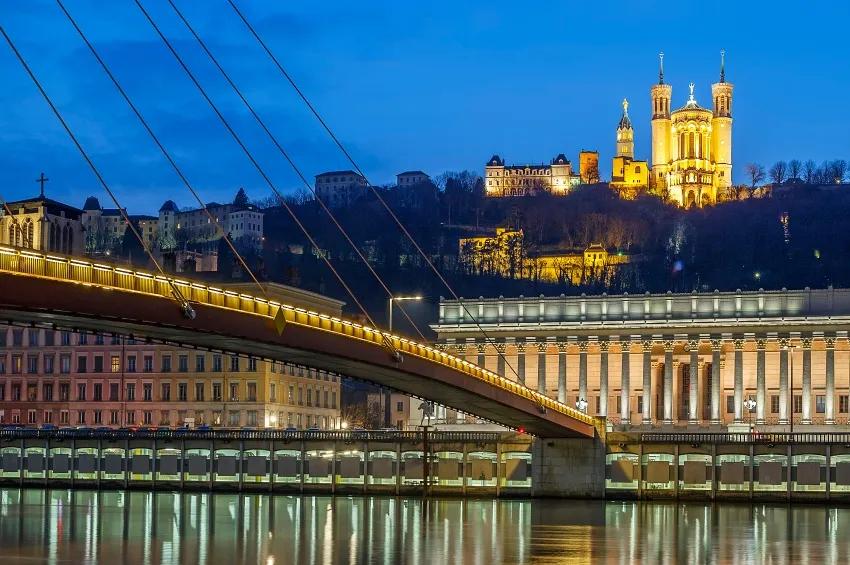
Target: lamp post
column 750, row 405
column 387, row 399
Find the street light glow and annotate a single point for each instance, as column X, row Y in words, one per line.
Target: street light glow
column 344, row 425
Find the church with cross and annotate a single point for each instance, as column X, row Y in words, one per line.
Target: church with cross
column 42, row 224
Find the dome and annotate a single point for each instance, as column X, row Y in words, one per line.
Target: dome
column 625, row 122
column 92, row 204
column 169, row 206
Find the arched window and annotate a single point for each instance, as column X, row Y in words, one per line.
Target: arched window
column 17, row 242
column 637, row 169
column 64, row 242
column 70, row 240
column 29, row 233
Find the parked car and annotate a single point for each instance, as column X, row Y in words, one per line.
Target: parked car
column 291, row 430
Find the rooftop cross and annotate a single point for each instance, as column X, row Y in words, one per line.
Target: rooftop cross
column 42, row 179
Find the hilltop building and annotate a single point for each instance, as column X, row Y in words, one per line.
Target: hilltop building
column 628, row 175
column 692, row 146
column 411, row 178
column 43, row 224
column 519, row 180
column 338, row 189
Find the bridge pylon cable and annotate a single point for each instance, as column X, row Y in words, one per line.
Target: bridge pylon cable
column 187, row 309
column 162, row 149
column 295, row 168
column 384, row 336
column 369, row 184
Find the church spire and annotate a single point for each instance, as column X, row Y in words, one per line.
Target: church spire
column 723, row 66
column 661, row 68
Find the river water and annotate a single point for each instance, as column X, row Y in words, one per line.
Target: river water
column 61, row 526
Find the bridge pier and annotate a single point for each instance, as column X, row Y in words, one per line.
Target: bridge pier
column 568, row 468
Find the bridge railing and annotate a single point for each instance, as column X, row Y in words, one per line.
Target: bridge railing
column 32, row 263
column 733, row 438
column 9, row 434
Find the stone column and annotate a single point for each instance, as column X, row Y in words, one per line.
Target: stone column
column 807, row 379
column 562, row 371
column 739, row 380
column 520, row 362
column 830, row 380
column 784, row 342
column 603, row 378
column 500, row 358
column 647, row 381
column 541, row 368
column 482, row 354
column 761, row 400
column 716, row 346
column 582, row 373
column 625, row 385
column 693, row 384
column 668, row 381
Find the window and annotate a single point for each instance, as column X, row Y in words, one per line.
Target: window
column 182, row 392
column 64, row 392
column 115, row 364
column 252, row 364
column 148, row 364
column 333, row 399
column 730, row 404
column 65, row 339
column 234, row 392
column 234, row 364
column 166, row 363
column 65, row 364
column 147, row 392
column 234, row 418
column 32, row 364
column 183, row 364
column 166, row 392
column 820, row 404
column 298, row 420
column 273, row 367
column 83, row 339
column 272, row 393
column 113, row 392
column 131, row 417
column 113, row 417
column 115, row 340
column 82, row 364
column 98, row 416
column 81, row 417
column 300, row 396
column 48, row 416
column 199, row 392
column 291, row 397
column 47, row 392
column 33, row 339
column 216, row 418
column 32, row 392
column 97, row 394
column 200, row 362
column 798, row 403
column 309, row 397
column 147, row 417
column 98, row 364
column 325, row 403
column 49, row 364
column 2, row 364
column 31, row 416
column 16, row 392
column 18, row 338
column 131, row 393
column 216, row 392
column 217, row 363
column 842, row 403
column 16, row 364
column 252, row 418
column 98, row 339
column 64, row 418
column 252, row 392
column 81, row 391
column 640, row 404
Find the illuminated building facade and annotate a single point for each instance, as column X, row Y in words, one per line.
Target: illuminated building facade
column 628, row 176
column 520, row 180
column 692, row 146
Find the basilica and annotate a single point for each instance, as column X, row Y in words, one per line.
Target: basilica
column 692, row 146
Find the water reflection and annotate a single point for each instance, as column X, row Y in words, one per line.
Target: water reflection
column 153, row 528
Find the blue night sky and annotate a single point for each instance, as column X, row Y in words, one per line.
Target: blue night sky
column 434, row 86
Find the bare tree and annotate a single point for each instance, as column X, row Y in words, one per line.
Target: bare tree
column 755, row 172
column 810, row 170
column 778, row 172
column 839, row 170
column 795, row 167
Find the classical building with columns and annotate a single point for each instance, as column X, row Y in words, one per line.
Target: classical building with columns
column 763, row 358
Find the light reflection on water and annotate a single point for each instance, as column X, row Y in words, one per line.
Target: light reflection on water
column 153, row 528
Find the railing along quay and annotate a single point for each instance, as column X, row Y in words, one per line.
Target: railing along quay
column 9, row 434
column 780, row 438
column 26, row 262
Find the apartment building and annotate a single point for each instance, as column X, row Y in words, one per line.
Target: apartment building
column 81, row 379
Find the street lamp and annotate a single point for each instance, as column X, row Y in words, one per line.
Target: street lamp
column 749, row 406
column 387, row 399
column 581, row 404
column 344, row 425
column 399, row 299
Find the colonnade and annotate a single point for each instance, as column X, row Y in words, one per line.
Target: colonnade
column 670, row 370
